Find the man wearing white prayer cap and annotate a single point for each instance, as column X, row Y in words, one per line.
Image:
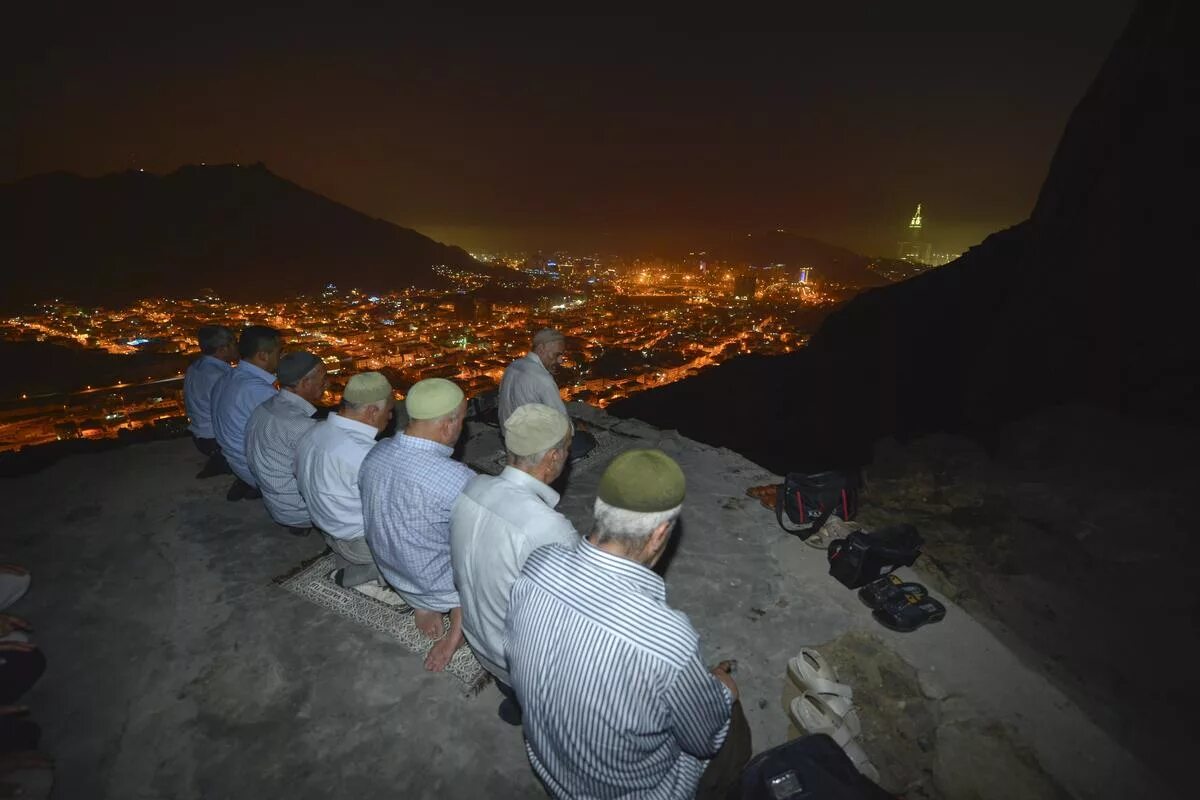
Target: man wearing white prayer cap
column 408, row 484
column 498, row 521
column 329, row 459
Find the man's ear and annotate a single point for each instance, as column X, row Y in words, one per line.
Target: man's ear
column 658, row 538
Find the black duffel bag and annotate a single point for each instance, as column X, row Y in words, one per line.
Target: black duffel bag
column 863, row 557
column 809, row 500
column 809, row 768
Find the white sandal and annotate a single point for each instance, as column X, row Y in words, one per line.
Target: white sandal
column 813, row 713
column 811, row 672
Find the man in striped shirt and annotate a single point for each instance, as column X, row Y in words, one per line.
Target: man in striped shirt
column 409, row 484
column 617, row 703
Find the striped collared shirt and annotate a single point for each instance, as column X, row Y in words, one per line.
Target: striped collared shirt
column 272, row 435
column 409, row 485
column 198, row 384
column 617, row 703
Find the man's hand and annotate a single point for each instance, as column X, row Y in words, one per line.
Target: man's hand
column 9, row 623
column 724, row 673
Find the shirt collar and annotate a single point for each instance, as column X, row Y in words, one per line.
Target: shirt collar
column 352, row 426
column 292, row 399
column 216, row 360
column 534, row 358
column 257, row 372
column 420, row 443
column 641, row 578
column 527, row 481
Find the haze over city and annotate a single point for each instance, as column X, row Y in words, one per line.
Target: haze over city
column 631, row 134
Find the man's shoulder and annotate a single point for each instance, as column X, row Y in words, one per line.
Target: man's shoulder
column 625, row 613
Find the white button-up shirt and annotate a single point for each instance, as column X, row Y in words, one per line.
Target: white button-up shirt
column 328, row 459
column 272, row 435
column 494, row 526
column 202, row 375
column 527, row 381
column 234, row 398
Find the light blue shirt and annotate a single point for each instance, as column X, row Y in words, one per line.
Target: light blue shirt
column 234, row 398
column 198, row 384
column 272, row 436
column 409, row 485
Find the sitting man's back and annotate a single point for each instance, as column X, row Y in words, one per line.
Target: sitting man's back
column 409, row 484
column 499, row 520
column 237, row 394
column 616, row 701
column 274, row 432
column 329, row 461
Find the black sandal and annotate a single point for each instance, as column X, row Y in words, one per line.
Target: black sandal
column 876, row 593
column 904, row 617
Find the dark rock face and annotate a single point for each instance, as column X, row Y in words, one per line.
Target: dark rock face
column 1089, row 301
column 243, row 231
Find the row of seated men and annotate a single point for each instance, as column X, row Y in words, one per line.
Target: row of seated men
column 604, row 676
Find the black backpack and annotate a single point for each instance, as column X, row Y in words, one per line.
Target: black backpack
column 809, row 768
column 862, row 557
column 809, row 500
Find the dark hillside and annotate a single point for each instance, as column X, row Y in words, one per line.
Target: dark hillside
column 1089, row 301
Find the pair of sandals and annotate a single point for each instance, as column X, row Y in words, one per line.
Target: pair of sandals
column 826, row 706
column 900, row 606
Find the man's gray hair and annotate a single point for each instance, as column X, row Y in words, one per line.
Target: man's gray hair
column 533, row 459
column 546, row 336
column 628, row 527
column 213, row 337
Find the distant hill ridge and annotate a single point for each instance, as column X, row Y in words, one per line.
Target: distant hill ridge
column 241, row 230
column 794, row 251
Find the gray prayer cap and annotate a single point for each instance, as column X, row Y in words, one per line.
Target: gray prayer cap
column 294, row 366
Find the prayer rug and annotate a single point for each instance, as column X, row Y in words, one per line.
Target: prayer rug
column 311, row 581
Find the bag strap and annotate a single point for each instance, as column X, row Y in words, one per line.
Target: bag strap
column 802, row 532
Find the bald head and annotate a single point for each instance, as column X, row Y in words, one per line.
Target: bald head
column 549, row 346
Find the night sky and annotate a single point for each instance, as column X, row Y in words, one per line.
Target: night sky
column 614, row 134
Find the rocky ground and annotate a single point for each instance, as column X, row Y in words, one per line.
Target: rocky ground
column 177, row 668
column 1072, row 539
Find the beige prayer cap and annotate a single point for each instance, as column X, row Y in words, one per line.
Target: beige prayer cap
column 534, row 428
column 367, row 387
column 432, row 398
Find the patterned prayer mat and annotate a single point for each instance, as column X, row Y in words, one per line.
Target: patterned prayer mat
column 311, row 581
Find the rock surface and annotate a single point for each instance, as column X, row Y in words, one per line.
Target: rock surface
column 177, row 669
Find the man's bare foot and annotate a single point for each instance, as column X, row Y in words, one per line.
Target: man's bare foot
column 441, row 653
column 429, row 623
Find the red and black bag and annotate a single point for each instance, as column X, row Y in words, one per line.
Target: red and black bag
column 809, row 500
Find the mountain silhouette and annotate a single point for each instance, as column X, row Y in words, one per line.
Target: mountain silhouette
column 1089, row 301
column 244, row 232
column 794, row 251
